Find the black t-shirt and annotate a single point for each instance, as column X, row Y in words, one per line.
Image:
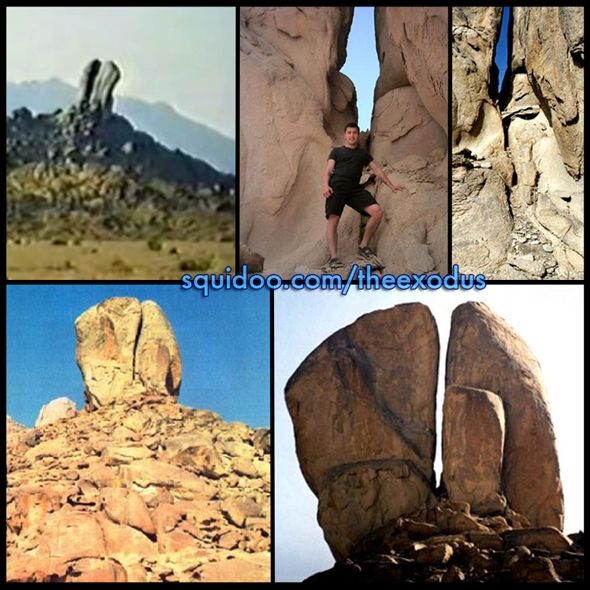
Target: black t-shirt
column 349, row 163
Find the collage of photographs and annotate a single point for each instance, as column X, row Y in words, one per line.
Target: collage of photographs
column 295, row 294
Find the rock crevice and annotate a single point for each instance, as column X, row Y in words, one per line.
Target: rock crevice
column 529, row 139
column 294, row 105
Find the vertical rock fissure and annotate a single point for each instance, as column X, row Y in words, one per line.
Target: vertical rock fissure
column 135, row 344
column 362, row 65
column 500, row 66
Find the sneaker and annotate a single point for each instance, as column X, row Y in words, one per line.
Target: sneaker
column 365, row 252
column 334, row 264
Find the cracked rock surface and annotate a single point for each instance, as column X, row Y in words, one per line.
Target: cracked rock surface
column 526, row 139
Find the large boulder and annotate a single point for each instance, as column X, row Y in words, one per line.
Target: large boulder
column 473, row 445
column 363, row 410
column 485, row 353
column 420, row 59
column 57, row 409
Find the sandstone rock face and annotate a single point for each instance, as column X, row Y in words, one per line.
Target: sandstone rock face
column 288, row 56
column 473, row 445
column 530, row 134
column 136, row 487
column 363, row 410
column 421, row 37
column 485, row 353
column 157, row 358
column 106, row 335
column 294, row 104
column 409, row 136
column 125, row 348
column 58, row 409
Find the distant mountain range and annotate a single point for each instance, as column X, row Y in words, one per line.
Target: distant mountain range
column 159, row 120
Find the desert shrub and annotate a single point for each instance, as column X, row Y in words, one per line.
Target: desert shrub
column 154, row 244
column 119, row 265
column 200, row 264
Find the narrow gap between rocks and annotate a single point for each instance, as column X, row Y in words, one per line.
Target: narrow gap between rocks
column 362, row 63
column 444, row 332
column 502, row 51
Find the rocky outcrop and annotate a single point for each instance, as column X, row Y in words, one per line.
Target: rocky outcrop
column 485, row 353
column 294, row 104
column 97, row 85
column 446, row 543
column 364, row 416
column 14, row 432
column 87, row 173
column 363, row 409
column 61, row 408
column 126, row 349
column 526, row 139
column 135, row 487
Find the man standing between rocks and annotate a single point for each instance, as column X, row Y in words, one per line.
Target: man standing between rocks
column 342, row 187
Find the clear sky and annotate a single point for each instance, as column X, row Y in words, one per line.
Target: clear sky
column 182, row 56
column 501, row 58
column 223, row 341
column 548, row 317
column 362, row 64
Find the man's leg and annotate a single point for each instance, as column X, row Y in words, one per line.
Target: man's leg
column 332, row 235
column 376, row 214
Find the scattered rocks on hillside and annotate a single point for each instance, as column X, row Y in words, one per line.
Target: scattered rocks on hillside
column 157, row 491
column 445, row 542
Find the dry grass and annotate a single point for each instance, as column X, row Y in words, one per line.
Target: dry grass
column 117, row 260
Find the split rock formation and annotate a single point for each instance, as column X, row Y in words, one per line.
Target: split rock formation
column 363, row 410
column 518, row 166
column 294, row 103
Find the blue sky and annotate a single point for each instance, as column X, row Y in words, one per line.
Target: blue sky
column 223, row 340
column 362, row 64
column 501, row 57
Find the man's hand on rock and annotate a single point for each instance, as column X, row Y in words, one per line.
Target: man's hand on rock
column 397, row 187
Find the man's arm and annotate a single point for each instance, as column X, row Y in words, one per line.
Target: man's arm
column 329, row 169
column 384, row 178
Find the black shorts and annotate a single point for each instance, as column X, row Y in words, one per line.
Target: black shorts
column 349, row 194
